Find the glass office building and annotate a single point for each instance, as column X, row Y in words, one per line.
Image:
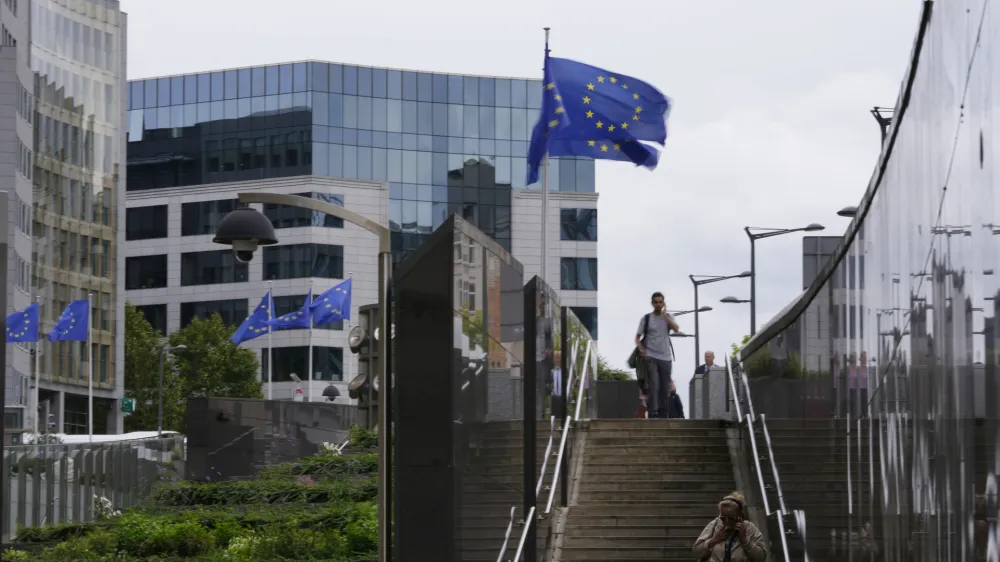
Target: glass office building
column 443, row 144
column 68, row 191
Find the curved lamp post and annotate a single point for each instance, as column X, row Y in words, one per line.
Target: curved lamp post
column 848, row 212
column 683, row 312
column 697, row 281
column 756, row 233
column 734, row 300
column 159, row 406
column 245, row 229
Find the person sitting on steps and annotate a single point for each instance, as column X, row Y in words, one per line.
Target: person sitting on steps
column 730, row 537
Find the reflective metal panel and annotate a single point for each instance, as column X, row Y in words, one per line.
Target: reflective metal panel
column 893, row 349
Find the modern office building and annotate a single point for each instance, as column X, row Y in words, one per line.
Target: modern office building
column 62, row 68
column 405, row 148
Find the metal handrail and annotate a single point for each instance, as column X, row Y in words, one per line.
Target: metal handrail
column 774, row 465
column 746, row 387
column 756, row 460
column 529, row 520
column 784, row 541
column 732, row 388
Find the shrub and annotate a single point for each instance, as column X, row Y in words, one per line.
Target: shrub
column 326, row 464
column 361, row 438
column 56, row 533
column 263, row 491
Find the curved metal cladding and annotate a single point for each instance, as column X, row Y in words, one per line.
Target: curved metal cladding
column 893, row 351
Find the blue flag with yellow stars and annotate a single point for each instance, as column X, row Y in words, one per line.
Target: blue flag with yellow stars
column 333, row 304
column 73, row 324
column 592, row 112
column 255, row 325
column 298, row 319
column 22, row 326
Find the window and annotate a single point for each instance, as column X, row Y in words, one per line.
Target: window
column 578, row 224
column 25, row 162
column 23, row 274
column 287, row 304
column 327, row 363
column 588, row 316
column 282, row 216
column 211, row 268
column 579, row 274
column 233, row 312
column 146, row 272
column 203, row 217
column 24, row 221
column 145, row 223
column 303, row 260
column 12, row 4
column 156, row 315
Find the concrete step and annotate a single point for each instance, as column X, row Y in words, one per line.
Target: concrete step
column 639, row 455
column 626, row 474
column 650, row 508
column 638, row 532
column 657, row 430
column 626, row 553
column 658, row 486
column 597, row 425
column 626, row 520
column 602, row 440
column 719, row 465
column 598, row 538
column 710, row 495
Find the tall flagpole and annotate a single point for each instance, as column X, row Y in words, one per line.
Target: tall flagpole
column 38, row 352
column 90, row 368
column 270, row 348
column 545, row 186
column 309, row 313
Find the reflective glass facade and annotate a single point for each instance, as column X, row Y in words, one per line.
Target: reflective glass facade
column 894, row 346
column 76, row 56
column 445, row 143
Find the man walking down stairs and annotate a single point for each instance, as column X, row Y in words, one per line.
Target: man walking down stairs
column 646, row 489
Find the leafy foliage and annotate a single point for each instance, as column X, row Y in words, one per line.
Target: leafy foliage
column 319, row 508
column 606, row 372
column 143, row 345
column 212, row 365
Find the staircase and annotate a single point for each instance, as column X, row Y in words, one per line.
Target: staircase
column 492, row 483
column 811, row 456
column 647, row 489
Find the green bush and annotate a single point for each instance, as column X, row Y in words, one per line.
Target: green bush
column 57, row 533
column 325, row 465
column 264, row 491
column 361, row 438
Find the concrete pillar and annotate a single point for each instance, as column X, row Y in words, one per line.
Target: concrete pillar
column 59, row 410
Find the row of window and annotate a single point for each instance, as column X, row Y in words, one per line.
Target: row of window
column 95, row 99
column 232, row 311
column 579, row 225
column 293, row 261
column 327, row 363
column 337, row 79
column 578, row 274
column 335, row 110
column 72, row 39
column 22, row 274
column 6, row 39
column 70, row 144
column 203, row 217
column 24, row 217
column 73, row 198
column 25, row 163
column 25, row 104
column 423, row 217
column 62, row 294
column 11, row 5
column 68, row 359
column 74, row 252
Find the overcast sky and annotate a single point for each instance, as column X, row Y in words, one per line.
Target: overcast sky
column 770, row 125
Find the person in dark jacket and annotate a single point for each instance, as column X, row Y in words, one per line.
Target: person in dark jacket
column 675, row 409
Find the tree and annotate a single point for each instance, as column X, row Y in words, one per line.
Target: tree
column 143, row 345
column 606, row 372
column 212, row 365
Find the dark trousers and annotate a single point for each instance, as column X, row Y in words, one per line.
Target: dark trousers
column 657, row 384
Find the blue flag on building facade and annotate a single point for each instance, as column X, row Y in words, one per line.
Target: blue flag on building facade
column 295, row 320
column 333, row 305
column 255, row 325
column 22, row 326
column 592, row 112
column 73, row 324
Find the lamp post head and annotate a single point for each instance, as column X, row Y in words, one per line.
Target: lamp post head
column 733, row 300
column 848, row 212
column 682, row 335
column 814, row 227
column 744, row 275
column 244, row 229
column 705, row 309
column 178, row 347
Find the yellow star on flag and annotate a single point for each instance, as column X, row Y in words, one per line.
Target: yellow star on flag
column 613, row 79
column 591, row 143
column 604, row 148
column 586, row 99
column 590, row 86
column 560, row 109
column 550, row 86
column 624, row 125
column 553, row 123
column 601, row 79
column 557, row 97
column 600, row 124
column 590, row 114
column 625, row 86
column 635, row 96
column 618, row 146
column 611, row 128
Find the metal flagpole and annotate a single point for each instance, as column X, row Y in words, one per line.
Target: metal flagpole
column 38, row 352
column 270, row 347
column 309, row 396
column 90, row 368
column 545, row 189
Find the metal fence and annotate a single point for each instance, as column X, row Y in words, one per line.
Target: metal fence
column 52, row 484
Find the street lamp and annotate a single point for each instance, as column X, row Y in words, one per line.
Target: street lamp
column 734, row 300
column 756, row 233
column 683, row 312
column 684, row 335
column 697, row 281
column 245, row 228
column 848, row 212
column 159, row 405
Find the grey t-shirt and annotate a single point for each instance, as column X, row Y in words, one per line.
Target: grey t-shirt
column 657, row 342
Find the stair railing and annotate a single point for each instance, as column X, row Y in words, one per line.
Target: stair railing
column 530, row 518
column 748, row 424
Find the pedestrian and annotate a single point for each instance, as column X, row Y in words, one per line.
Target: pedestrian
column 708, row 364
column 675, row 408
column 652, row 340
column 730, row 537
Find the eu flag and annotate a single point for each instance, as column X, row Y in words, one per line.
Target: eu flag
column 73, row 324
column 22, row 326
column 298, row 319
column 592, row 112
column 333, row 305
column 255, row 325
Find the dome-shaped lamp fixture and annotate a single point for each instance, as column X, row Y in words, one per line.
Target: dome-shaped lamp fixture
column 331, row 392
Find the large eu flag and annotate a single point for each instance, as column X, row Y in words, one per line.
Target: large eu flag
column 73, row 324
column 22, row 326
column 255, row 325
column 299, row 319
column 589, row 111
column 333, row 304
